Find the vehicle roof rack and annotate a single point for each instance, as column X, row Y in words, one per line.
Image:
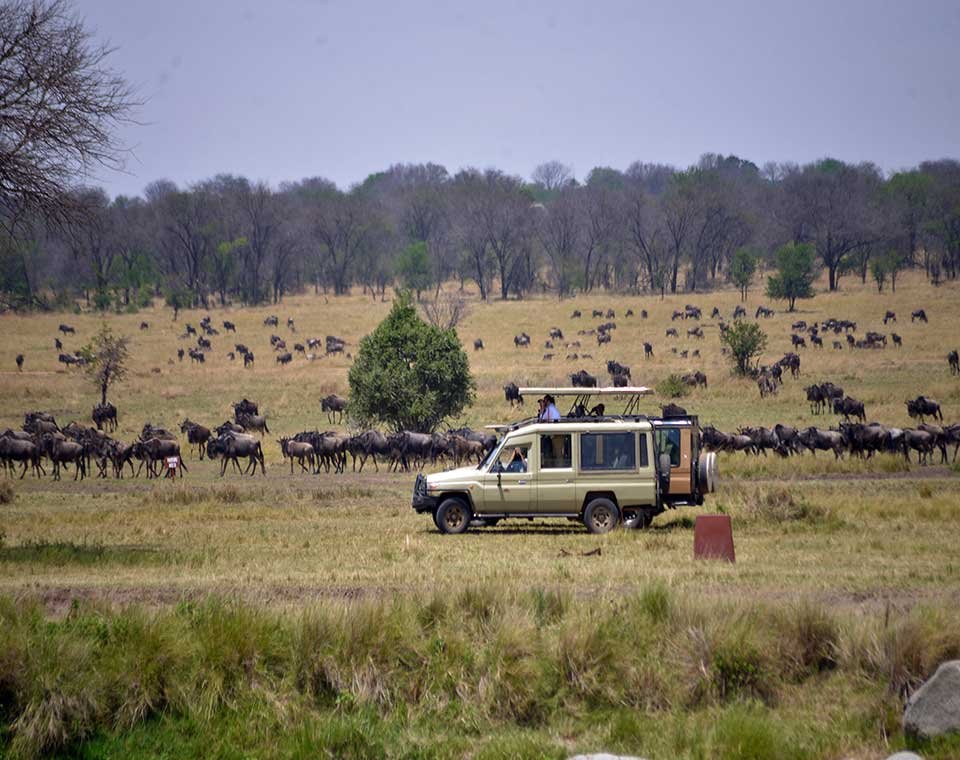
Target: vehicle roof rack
column 582, row 396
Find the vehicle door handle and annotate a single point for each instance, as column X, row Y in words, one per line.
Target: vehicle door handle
column 521, row 482
column 568, row 480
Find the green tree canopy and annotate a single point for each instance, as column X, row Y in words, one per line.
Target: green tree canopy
column 795, row 274
column 742, row 268
column 746, row 341
column 413, row 268
column 409, row 375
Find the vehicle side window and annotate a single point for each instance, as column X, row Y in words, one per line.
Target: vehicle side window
column 514, row 458
column 668, row 442
column 608, row 451
column 555, row 452
column 644, row 455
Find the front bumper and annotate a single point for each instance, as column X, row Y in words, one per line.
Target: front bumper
column 422, row 501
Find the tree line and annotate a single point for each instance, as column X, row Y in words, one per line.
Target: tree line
column 651, row 228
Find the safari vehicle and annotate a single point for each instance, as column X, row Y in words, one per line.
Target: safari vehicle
column 599, row 469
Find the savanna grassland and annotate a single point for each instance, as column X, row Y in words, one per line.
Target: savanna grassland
column 291, row 615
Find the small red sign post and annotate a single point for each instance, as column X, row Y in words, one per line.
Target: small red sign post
column 172, row 464
column 713, row 538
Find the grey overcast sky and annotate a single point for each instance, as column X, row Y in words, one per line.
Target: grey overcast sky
column 288, row 89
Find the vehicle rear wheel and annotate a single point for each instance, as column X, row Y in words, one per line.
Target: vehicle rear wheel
column 453, row 516
column 601, row 516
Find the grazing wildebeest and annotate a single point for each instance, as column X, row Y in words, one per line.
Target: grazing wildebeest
column 478, row 345
column 800, row 325
column 576, row 314
column 953, row 358
column 583, row 379
column 791, row 361
column 271, row 321
column 299, row 450
column 890, row 316
column 849, row 407
column 521, row 340
column 602, row 338
column 229, row 326
column 798, row 342
column 556, row 333
column 190, row 329
column 286, row 358
column 715, row 314
column 300, row 348
column 695, row 379
column 105, row 414
column 739, row 312
column 763, row 311
column 597, row 313
column 918, row 314
column 65, row 329
column 897, row 340
column 20, row 362
column 197, row 435
column 696, row 332
column 511, row 393
column 248, row 359
column 197, row 356
column 817, row 341
column 672, row 333
column 647, row 351
column 629, row 313
column 144, row 325
column 333, row 405
column 547, row 357
column 922, row 406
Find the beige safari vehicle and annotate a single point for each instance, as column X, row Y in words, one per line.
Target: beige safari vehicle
column 602, row 470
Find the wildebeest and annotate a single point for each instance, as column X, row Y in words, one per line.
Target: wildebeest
column 334, row 406
column 647, row 351
column 791, row 361
column 20, row 362
column 370, row 443
column 672, row 333
column 922, row 406
column 918, row 314
column 576, row 314
column 837, row 345
column 245, row 406
column 616, row 368
column 20, row 450
column 890, row 316
column 204, row 343
column 597, row 313
column 271, row 321
column 229, row 326
column 817, row 341
column 763, row 311
column 602, row 338
column 897, row 340
column 256, row 422
column 299, row 450
column 65, row 329
column 231, row 446
column 180, row 353
column 334, row 345
column 58, row 344
column 797, row 341
column 105, row 414
column 248, row 359
column 583, row 379
column 144, row 325
column 285, row 358
column 953, row 359
column 822, row 440
column 300, row 348
column 511, row 393
column 478, row 345
column 556, row 333
column 521, row 340
column 739, row 312
column 849, row 407
column 290, row 325
column 197, row 435
column 695, row 379
column 673, row 410
column 61, row 451
column 197, row 356
column 628, row 313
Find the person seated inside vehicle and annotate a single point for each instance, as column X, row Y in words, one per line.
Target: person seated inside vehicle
column 516, row 460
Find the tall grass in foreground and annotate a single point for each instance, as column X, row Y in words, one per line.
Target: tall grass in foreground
column 466, row 672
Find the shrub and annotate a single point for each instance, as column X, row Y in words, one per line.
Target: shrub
column 672, row 386
column 746, row 341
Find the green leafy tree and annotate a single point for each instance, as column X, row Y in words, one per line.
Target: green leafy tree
column 795, row 274
column 413, row 268
column 742, row 268
column 177, row 299
column 409, row 375
column 106, row 360
column 878, row 270
column 746, row 341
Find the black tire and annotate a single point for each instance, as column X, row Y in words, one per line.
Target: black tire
column 601, row 516
column 637, row 518
column 453, row 516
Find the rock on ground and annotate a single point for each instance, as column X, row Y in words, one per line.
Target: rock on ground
column 934, row 708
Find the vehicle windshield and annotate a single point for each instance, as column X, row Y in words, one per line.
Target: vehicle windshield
column 492, row 456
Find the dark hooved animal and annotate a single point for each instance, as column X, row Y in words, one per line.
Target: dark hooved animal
column 334, row 406
column 197, row 435
column 511, row 393
column 478, row 345
column 918, row 314
column 105, row 414
column 922, row 406
column 583, row 379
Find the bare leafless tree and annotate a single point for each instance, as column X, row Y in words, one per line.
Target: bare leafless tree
column 446, row 311
column 60, row 106
column 552, row 176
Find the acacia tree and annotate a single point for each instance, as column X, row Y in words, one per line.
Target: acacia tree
column 60, row 106
column 742, row 268
column 106, row 360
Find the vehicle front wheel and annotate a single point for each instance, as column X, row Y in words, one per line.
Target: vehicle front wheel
column 601, row 516
column 453, row 516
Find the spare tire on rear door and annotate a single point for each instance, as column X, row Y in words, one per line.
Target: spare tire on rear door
column 601, row 515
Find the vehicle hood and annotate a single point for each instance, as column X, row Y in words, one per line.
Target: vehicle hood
column 458, row 475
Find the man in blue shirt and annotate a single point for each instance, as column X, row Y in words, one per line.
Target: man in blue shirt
column 550, row 412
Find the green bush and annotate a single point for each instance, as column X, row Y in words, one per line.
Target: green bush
column 745, row 340
column 672, row 386
column 409, row 375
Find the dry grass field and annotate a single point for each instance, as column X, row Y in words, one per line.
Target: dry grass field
column 862, row 540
